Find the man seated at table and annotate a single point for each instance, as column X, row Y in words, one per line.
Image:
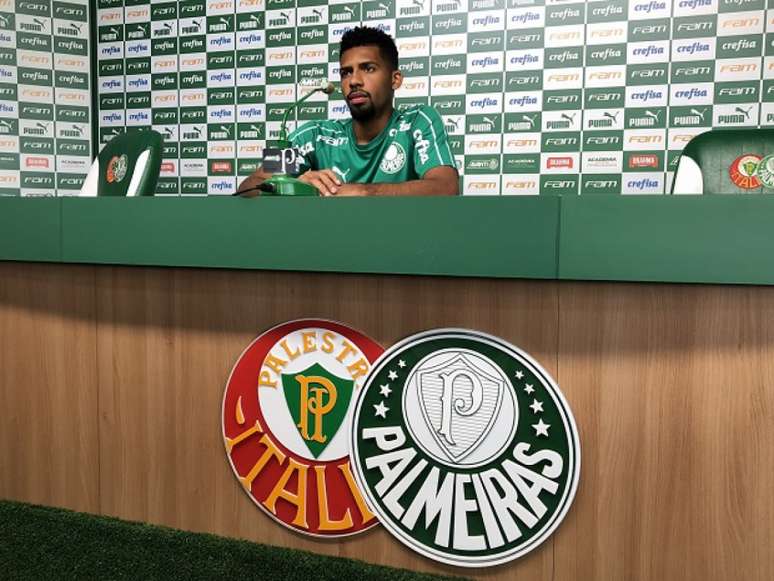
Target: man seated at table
column 380, row 151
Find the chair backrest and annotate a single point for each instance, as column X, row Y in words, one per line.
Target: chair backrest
column 727, row 161
column 128, row 165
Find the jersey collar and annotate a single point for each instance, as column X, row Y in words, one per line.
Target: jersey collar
column 376, row 141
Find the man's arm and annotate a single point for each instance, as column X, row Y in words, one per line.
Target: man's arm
column 438, row 181
column 251, row 182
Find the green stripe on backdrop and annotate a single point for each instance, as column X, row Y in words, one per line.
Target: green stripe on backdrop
column 38, row 542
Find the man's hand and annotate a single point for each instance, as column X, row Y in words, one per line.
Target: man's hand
column 350, row 190
column 327, row 182
column 439, row 181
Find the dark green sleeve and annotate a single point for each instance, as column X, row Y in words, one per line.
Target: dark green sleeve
column 431, row 145
column 305, row 139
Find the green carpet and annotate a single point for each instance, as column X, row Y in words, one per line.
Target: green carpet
column 44, row 543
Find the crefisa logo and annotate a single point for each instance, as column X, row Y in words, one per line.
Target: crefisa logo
column 464, row 447
column 286, row 423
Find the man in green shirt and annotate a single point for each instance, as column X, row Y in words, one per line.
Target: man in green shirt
column 380, row 151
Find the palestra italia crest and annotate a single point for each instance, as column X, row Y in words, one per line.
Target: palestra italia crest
column 465, row 448
column 286, row 421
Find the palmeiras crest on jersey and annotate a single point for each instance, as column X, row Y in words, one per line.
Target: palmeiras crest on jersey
column 464, row 447
column 286, row 420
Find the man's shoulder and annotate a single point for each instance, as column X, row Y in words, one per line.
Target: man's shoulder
column 310, row 129
column 421, row 117
column 423, row 114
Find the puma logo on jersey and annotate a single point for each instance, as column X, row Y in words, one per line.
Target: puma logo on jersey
column 343, row 174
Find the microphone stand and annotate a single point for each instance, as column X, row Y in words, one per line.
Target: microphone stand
column 283, row 142
column 283, row 184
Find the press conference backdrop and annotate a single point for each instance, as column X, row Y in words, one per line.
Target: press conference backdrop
column 45, row 97
column 591, row 97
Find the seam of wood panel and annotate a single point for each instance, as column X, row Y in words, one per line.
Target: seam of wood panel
column 558, row 248
column 60, row 251
column 95, row 298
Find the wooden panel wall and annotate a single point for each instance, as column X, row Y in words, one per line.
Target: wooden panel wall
column 49, row 451
column 671, row 387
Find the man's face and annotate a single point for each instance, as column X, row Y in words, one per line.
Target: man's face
column 367, row 81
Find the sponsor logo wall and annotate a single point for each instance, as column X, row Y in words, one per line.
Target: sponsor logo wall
column 45, row 99
column 544, row 96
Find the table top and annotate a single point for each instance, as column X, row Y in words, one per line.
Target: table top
column 692, row 239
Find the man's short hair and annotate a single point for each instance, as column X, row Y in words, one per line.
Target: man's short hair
column 368, row 36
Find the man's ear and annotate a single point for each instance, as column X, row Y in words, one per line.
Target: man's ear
column 397, row 80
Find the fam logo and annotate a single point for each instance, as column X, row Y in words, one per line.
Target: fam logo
column 465, row 448
column 286, row 417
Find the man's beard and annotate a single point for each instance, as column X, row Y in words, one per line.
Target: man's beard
column 364, row 112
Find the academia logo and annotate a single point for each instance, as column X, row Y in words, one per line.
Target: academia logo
column 465, row 448
column 285, row 421
column 522, row 163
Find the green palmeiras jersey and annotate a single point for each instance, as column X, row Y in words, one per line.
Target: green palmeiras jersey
column 413, row 142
